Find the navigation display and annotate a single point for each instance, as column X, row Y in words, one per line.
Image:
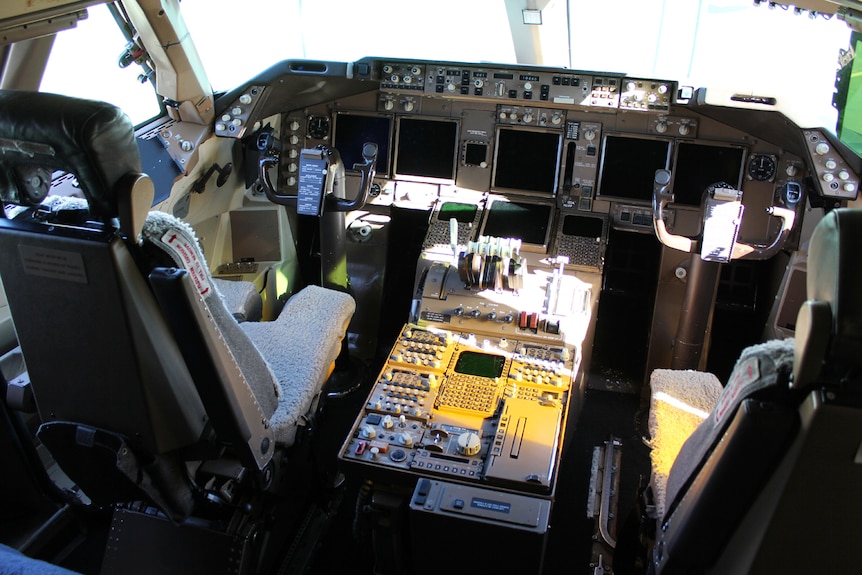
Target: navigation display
column 354, row 130
column 526, row 161
column 698, row 166
column 426, row 149
column 629, row 165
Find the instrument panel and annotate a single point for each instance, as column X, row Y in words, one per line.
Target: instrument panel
column 586, row 143
column 476, row 409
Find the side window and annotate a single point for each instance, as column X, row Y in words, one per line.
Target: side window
column 84, row 63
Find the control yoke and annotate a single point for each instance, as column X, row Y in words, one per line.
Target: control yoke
column 367, row 169
column 722, row 212
column 321, row 177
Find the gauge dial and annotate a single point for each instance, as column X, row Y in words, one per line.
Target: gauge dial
column 318, row 127
column 761, row 167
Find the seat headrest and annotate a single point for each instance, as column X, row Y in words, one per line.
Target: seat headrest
column 40, row 133
column 833, row 311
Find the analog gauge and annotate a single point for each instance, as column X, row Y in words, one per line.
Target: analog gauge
column 761, row 167
column 318, row 127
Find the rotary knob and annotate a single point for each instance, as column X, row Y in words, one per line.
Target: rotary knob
column 469, row 443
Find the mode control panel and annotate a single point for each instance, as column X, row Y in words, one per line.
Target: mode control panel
column 529, row 116
column 526, row 85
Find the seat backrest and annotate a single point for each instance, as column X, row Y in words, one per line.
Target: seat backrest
column 746, row 489
column 235, row 383
column 102, row 355
column 84, row 315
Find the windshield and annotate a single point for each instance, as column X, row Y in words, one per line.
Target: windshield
column 345, row 31
column 731, row 46
column 720, row 44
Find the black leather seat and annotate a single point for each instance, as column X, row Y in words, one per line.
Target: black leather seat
column 770, row 481
column 139, row 377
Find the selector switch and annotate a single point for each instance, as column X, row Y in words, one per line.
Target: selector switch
column 469, row 443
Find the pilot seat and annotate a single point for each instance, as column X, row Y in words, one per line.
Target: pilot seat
column 152, row 397
column 764, row 474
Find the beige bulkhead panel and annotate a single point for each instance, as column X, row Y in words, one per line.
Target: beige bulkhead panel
column 180, row 75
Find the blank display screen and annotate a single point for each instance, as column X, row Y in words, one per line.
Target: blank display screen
column 582, row 226
column 629, row 166
column 352, row 131
column 698, row 166
column 255, row 235
column 528, row 222
column 527, row 161
column 426, row 148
